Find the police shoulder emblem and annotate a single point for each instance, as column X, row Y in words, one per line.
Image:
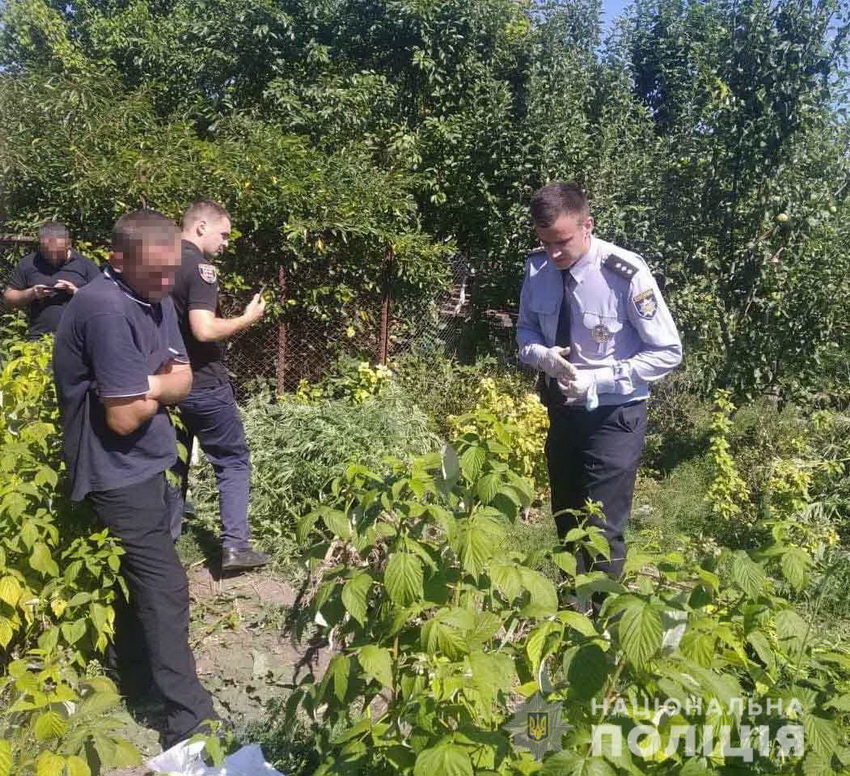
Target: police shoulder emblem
column 619, row 266
column 646, row 304
column 207, row 273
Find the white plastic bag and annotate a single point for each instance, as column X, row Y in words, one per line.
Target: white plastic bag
column 184, row 759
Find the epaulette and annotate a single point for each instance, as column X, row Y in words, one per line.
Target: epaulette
column 620, row 267
column 538, row 249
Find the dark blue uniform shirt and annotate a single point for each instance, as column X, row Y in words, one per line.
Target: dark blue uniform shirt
column 108, row 342
column 44, row 315
column 196, row 288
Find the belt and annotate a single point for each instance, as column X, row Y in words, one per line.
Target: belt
column 580, row 407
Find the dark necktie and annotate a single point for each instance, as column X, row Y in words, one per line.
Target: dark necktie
column 562, row 336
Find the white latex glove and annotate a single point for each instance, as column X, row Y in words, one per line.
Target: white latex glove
column 581, row 387
column 554, row 363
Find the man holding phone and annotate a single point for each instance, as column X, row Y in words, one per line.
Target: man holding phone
column 46, row 280
column 209, row 412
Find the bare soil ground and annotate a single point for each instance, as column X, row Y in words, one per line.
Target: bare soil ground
column 243, row 656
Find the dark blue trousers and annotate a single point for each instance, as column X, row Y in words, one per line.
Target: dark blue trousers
column 152, row 629
column 595, row 455
column 211, row 415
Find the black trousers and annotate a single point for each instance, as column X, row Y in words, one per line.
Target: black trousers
column 595, row 455
column 152, row 629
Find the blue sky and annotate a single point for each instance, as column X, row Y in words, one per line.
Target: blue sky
column 611, row 9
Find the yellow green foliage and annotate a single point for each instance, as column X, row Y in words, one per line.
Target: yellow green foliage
column 354, row 384
column 58, row 581
column 519, row 423
column 728, row 493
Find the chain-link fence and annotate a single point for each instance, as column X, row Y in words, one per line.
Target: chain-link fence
column 279, row 352
column 305, row 346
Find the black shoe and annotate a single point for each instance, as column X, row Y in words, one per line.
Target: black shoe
column 242, row 560
column 208, row 727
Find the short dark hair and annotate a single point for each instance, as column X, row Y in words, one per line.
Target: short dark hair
column 557, row 199
column 203, row 208
column 142, row 227
column 53, row 230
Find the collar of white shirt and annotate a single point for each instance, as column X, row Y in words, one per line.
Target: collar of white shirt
column 586, row 262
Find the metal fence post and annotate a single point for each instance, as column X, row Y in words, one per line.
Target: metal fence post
column 384, row 340
column 281, row 333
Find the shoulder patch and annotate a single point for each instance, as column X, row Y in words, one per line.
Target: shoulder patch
column 208, row 273
column 621, row 267
column 646, row 304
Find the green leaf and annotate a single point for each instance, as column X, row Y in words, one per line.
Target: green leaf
column 488, row 486
column 640, row 633
column 445, row 760
column 5, row 757
column 96, row 703
column 305, row 526
column 472, row 461
column 569, row 763
column 841, row 703
column 791, row 631
column 403, row 578
column 761, row 645
column 542, row 595
column 49, row 764
column 355, row 595
column 42, row 561
column 748, row 575
column 566, row 561
column 340, row 668
column 479, row 540
column 7, row 632
column 536, row 645
column 377, row 663
column 492, row 672
column 578, row 621
column 74, row 631
column 48, row 725
column 588, row 671
column 356, row 730
column 507, row 579
column 79, row 599
column 77, row 766
column 439, row 636
column 821, row 735
column 338, row 522
column 123, row 754
column 10, row 590
column 795, row 565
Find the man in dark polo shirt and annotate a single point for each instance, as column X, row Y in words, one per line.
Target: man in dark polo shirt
column 210, row 412
column 45, row 281
column 118, row 361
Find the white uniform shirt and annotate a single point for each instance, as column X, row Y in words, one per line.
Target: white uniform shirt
column 620, row 327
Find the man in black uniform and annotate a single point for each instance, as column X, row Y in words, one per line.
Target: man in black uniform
column 210, row 412
column 45, row 281
column 119, row 360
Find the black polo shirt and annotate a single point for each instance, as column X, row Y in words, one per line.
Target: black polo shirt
column 196, row 288
column 44, row 314
column 108, row 342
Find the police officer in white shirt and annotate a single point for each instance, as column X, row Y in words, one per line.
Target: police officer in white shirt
column 593, row 321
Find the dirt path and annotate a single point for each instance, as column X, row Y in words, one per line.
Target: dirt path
column 242, row 655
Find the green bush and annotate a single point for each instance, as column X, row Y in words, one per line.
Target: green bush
column 440, row 630
column 298, row 447
column 58, row 581
column 443, row 387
